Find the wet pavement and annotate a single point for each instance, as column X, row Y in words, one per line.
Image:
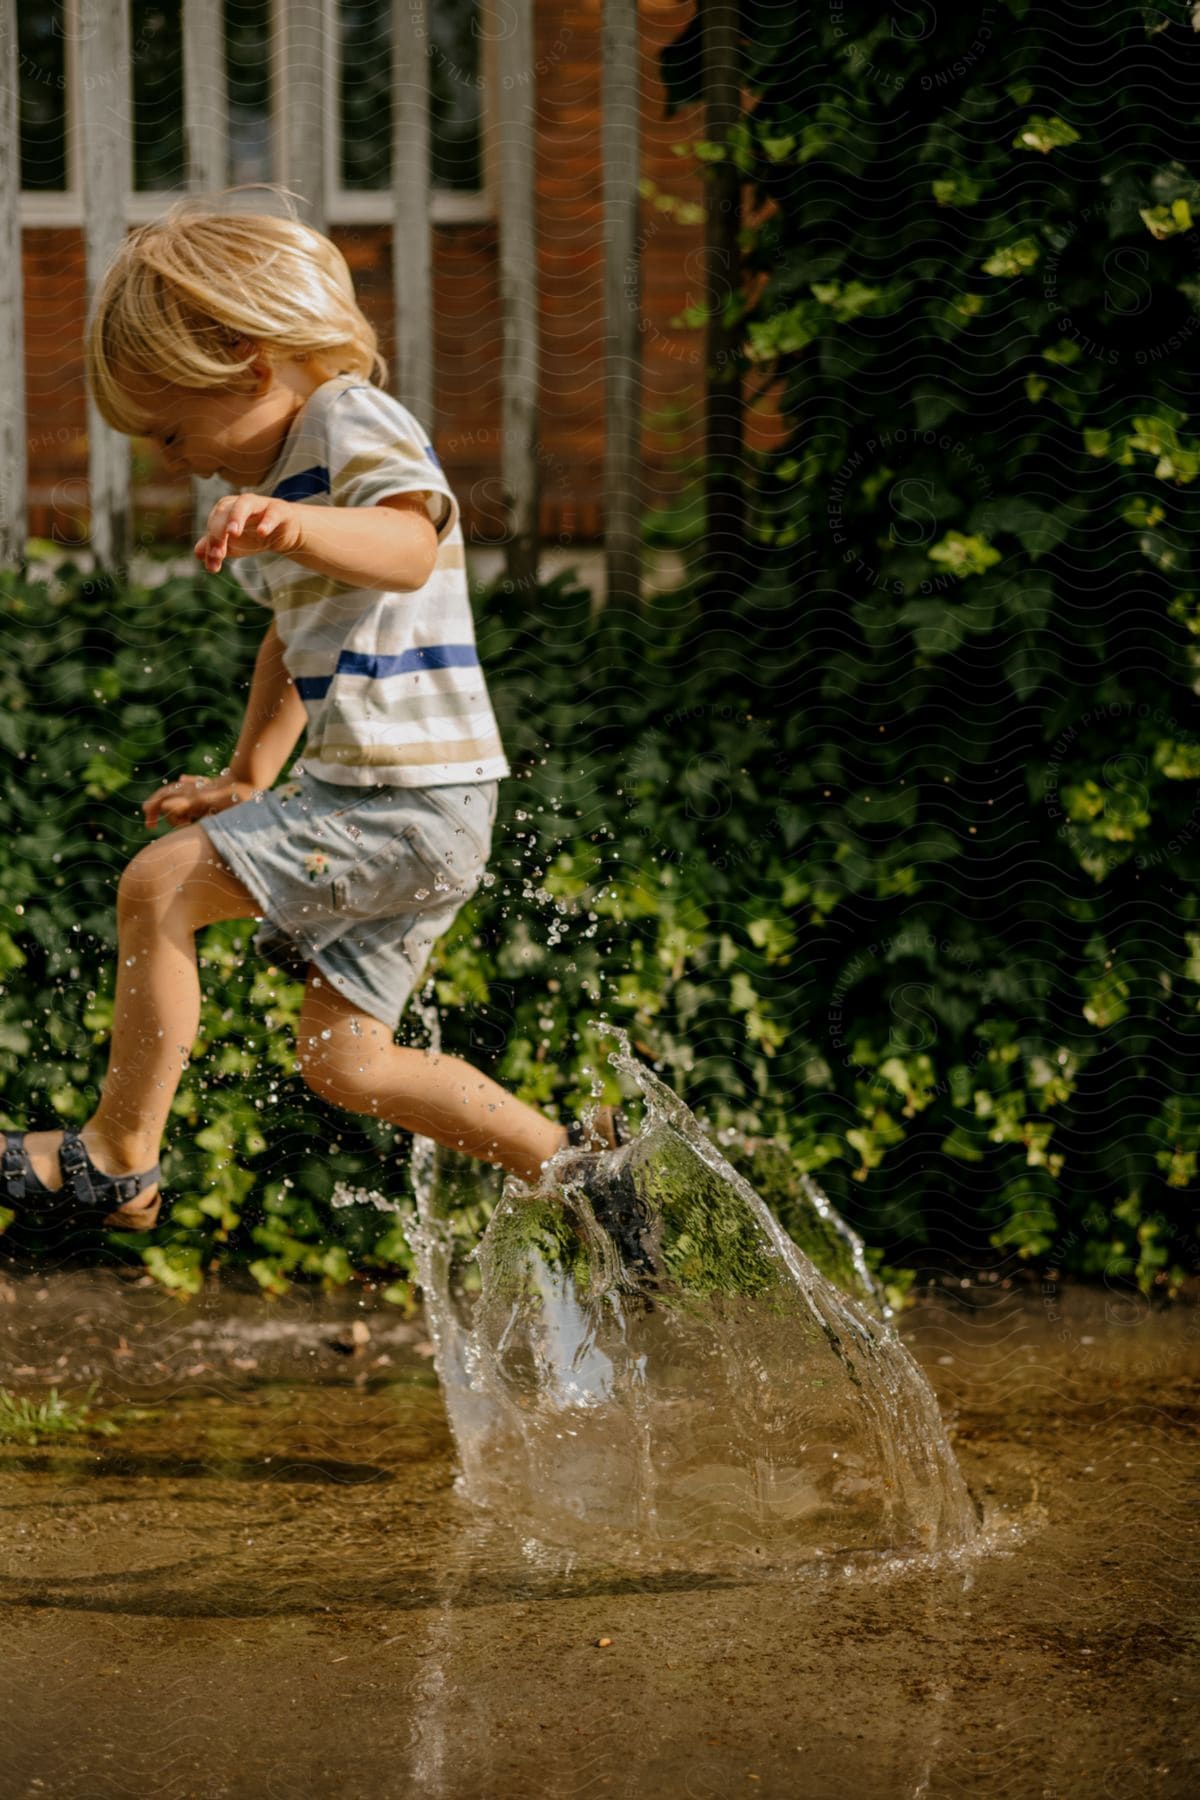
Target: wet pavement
column 264, row 1584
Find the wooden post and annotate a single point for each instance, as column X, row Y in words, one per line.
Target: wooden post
column 302, row 36
column 412, row 259
column 206, row 134
column 105, row 127
column 516, row 98
column 13, row 495
column 621, row 125
column 724, row 547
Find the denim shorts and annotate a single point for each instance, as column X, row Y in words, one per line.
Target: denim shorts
column 360, row 881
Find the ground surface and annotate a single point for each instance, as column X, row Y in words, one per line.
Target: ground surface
column 265, row 1585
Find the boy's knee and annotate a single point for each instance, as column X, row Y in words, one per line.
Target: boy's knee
column 170, row 879
column 151, row 882
column 330, row 1061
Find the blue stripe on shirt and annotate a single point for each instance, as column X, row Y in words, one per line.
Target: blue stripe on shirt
column 421, row 656
column 377, row 668
column 300, row 486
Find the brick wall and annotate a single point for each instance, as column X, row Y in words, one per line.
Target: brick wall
column 467, row 350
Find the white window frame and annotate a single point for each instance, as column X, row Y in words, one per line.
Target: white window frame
column 374, row 206
column 47, row 207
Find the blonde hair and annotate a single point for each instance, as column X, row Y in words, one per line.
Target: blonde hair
column 195, row 296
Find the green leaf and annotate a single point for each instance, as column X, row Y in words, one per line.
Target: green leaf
column 1065, row 353
column 1105, row 1001
column 1016, row 258
column 1178, row 761
column 963, row 555
column 177, row 1266
column 104, row 775
column 852, row 299
column 12, row 957
column 959, row 189
column 1167, row 221
column 1045, row 133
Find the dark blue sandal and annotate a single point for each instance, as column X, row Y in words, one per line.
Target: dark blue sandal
column 616, row 1204
column 609, row 1130
column 87, row 1193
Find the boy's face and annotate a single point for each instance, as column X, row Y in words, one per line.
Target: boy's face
column 236, row 436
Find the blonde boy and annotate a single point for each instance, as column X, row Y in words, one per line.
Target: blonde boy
column 235, row 339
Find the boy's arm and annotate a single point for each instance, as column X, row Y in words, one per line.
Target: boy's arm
column 275, row 717
column 391, row 546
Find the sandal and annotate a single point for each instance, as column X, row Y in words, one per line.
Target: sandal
column 616, row 1204
column 609, row 1130
column 87, row 1193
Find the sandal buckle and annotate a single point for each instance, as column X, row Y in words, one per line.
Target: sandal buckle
column 76, row 1169
column 12, row 1168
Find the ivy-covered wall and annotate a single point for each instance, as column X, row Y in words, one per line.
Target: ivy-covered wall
column 974, row 292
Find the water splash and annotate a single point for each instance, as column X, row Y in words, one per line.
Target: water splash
column 644, row 1363
column 343, row 1196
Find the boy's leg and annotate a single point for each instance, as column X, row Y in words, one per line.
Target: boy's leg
column 352, row 1059
column 170, row 890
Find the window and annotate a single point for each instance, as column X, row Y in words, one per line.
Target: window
column 359, row 76
column 248, row 74
column 156, row 58
column 365, row 95
column 42, row 83
column 456, row 99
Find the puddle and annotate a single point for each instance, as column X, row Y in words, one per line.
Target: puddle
column 267, row 1585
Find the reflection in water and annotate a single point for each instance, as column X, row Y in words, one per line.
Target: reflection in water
column 678, row 1379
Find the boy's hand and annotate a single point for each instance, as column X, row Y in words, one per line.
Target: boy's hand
column 243, row 524
column 192, row 797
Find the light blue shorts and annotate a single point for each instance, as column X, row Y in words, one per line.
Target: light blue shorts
column 360, row 881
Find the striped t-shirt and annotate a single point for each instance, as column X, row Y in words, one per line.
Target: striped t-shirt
column 391, row 680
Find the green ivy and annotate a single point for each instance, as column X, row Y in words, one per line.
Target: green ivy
column 975, row 281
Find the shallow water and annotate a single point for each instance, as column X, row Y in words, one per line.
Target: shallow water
column 269, row 1587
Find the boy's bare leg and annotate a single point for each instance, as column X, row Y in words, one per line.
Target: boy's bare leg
column 351, row 1059
column 170, row 890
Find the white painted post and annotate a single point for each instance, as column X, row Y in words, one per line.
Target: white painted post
column 621, row 128
column 302, row 34
column 515, row 156
column 412, row 247
column 13, row 495
column 206, row 134
column 106, row 128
